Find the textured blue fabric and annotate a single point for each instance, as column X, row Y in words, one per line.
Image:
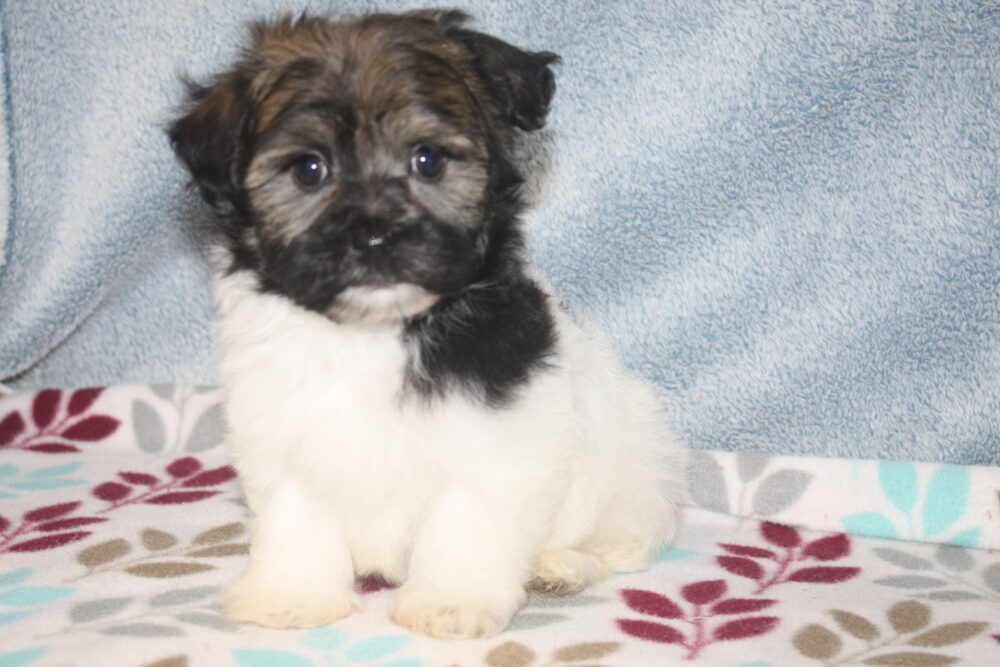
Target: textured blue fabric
column 784, row 213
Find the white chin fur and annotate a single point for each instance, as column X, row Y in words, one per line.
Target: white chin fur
column 377, row 305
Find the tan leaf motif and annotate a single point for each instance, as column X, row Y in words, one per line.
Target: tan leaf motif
column 588, row 651
column 950, row 633
column 102, row 553
column 909, row 616
column 856, row 626
column 168, row 570
column 172, row 661
column 225, row 533
column 911, row 659
column 221, row 550
column 815, row 641
column 510, row 654
column 157, row 540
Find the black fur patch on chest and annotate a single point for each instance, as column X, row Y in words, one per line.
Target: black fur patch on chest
column 487, row 341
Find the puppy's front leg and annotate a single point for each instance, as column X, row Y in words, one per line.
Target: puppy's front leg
column 468, row 568
column 300, row 573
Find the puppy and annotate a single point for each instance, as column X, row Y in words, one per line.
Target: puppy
column 403, row 397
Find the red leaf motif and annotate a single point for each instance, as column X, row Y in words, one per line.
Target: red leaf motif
column 91, row 429
column 996, row 637
column 178, row 497
column 742, row 628
column 743, row 567
column 828, row 548
column 111, row 491
column 49, row 541
column 50, row 512
column 83, row 399
column 212, row 477
column 139, row 478
column 740, row 606
column 823, row 575
column 11, row 427
column 184, row 467
column 753, row 552
column 4, row 524
column 44, row 407
column 656, row 632
column 54, row 448
column 703, row 592
column 781, row 535
column 64, row 524
column 654, row 604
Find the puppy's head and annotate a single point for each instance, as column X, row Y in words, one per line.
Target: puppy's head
column 359, row 166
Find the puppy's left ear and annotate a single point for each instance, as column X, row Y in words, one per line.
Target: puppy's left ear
column 521, row 82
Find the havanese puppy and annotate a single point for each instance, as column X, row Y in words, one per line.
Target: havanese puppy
column 403, row 397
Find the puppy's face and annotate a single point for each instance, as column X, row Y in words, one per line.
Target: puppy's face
column 359, row 166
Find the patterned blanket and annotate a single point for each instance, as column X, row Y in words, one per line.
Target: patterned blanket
column 120, row 519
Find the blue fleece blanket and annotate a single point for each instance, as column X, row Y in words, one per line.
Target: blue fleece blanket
column 785, row 214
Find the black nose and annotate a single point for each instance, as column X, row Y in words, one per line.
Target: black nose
column 369, row 235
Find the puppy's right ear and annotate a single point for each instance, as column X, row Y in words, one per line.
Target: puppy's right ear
column 212, row 139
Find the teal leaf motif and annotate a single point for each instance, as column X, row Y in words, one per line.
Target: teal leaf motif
column 46, row 484
column 14, row 577
column 946, row 498
column 265, row 657
column 4, row 495
column 9, row 617
column 8, row 469
column 56, row 471
column 325, row 639
column 870, row 524
column 367, row 650
column 676, row 554
column 967, row 538
column 20, row 658
column 405, row 662
column 898, row 480
column 28, row 596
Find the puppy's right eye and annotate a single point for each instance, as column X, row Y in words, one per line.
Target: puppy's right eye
column 309, row 170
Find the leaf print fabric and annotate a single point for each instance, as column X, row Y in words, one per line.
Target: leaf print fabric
column 115, row 544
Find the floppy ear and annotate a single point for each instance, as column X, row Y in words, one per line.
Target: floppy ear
column 211, row 138
column 521, row 82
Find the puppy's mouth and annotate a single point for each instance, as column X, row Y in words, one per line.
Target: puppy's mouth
column 380, row 305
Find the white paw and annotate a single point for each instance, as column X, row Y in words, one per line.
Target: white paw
column 454, row 616
column 274, row 604
column 565, row 571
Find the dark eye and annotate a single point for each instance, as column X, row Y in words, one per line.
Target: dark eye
column 309, row 170
column 427, row 163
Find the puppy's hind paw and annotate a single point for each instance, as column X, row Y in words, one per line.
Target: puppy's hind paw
column 275, row 606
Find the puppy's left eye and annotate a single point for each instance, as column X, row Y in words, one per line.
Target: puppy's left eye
column 427, row 163
column 309, row 170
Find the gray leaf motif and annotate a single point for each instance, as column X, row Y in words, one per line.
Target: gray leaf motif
column 207, row 620
column 903, row 559
column 529, row 620
column 955, row 558
column 708, row 485
column 910, row 581
column 95, row 609
column 991, row 577
column 143, row 630
column 183, row 596
column 750, row 465
column 150, row 431
column 779, row 491
column 951, row 596
column 164, row 391
column 207, row 431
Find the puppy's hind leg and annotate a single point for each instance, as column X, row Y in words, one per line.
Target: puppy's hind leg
column 300, row 573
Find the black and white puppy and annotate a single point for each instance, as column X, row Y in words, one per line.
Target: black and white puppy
column 403, row 397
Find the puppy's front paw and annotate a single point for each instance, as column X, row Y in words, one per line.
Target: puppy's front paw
column 274, row 604
column 453, row 616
